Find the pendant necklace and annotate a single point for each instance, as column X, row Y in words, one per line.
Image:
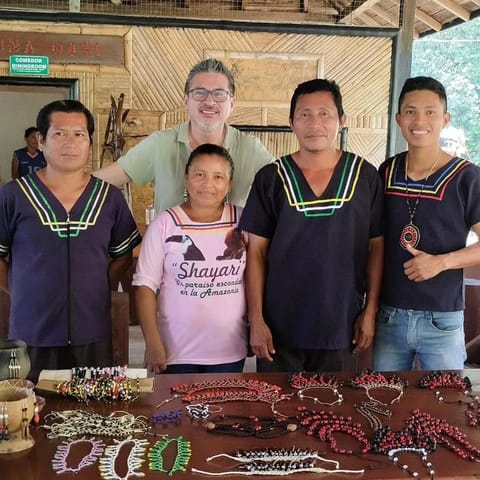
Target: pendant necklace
column 411, row 233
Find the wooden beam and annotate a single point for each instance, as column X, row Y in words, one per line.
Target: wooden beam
column 387, row 16
column 361, row 9
column 368, row 20
column 428, row 20
column 454, row 8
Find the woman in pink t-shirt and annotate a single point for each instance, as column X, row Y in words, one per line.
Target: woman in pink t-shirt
column 189, row 278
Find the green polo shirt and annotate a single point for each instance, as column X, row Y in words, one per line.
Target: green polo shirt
column 161, row 158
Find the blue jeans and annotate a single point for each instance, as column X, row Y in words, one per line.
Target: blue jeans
column 234, row 367
column 436, row 339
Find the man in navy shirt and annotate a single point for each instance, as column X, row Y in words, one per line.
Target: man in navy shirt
column 65, row 237
column 314, row 259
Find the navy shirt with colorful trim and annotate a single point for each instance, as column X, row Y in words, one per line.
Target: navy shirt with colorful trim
column 448, row 206
column 58, row 264
column 318, row 251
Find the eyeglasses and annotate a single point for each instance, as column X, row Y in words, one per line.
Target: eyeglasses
column 218, row 95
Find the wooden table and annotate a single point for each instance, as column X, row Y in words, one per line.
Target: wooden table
column 36, row 463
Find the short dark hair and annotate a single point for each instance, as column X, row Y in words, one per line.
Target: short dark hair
column 211, row 65
column 29, row 131
column 210, row 149
column 67, row 106
column 317, row 85
column 422, row 83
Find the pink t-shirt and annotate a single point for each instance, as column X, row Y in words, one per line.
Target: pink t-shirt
column 197, row 268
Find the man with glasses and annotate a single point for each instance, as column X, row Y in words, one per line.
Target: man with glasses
column 162, row 156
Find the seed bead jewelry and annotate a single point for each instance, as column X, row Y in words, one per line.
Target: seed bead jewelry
column 107, row 384
column 303, row 382
column 155, row 455
column 13, row 365
column 200, row 411
column 229, row 390
column 71, row 423
column 172, row 416
column 277, row 467
column 369, row 380
column 59, row 462
column 273, row 454
column 25, row 421
column 323, row 425
column 107, row 466
column 252, row 426
column 4, row 431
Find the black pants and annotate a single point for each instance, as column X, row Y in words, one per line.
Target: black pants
column 305, row 360
column 98, row 354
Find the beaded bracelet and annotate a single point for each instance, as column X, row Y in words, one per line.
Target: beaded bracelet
column 200, row 411
column 71, row 423
column 107, row 384
column 60, row 464
column 369, row 380
column 135, row 459
column 167, row 417
column 242, row 426
column 155, row 455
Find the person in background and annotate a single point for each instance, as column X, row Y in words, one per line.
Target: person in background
column 431, row 203
column 314, row 259
column 65, row 238
column 162, row 156
column 189, row 279
column 29, row 158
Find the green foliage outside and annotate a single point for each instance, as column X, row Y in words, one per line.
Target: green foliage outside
column 453, row 58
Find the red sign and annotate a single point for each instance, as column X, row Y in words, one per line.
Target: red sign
column 64, row 48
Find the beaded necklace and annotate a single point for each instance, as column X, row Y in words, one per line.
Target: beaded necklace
column 135, row 459
column 393, row 455
column 71, row 423
column 155, row 455
column 229, row 390
column 276, row 462
column 59, row 462
column 303, row 382
column 271, row 454
column 323, row 425
column 369, row 380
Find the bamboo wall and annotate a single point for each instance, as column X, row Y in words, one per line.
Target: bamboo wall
column 267, row 66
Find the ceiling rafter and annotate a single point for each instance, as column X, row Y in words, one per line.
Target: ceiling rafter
column 427, row 20
column 454, row 8
column 387, row 16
